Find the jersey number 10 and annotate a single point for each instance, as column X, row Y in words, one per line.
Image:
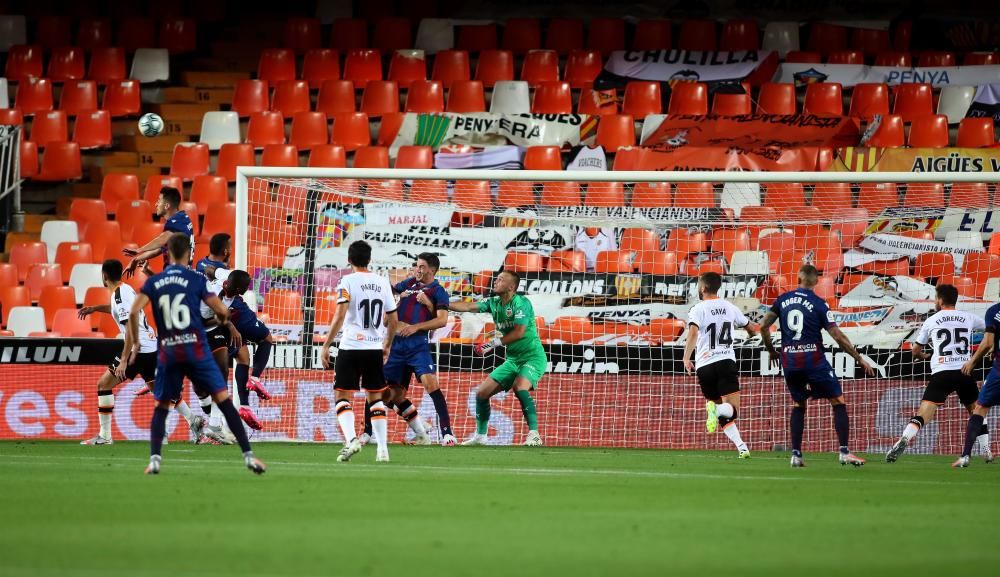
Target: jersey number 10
column 371, row 313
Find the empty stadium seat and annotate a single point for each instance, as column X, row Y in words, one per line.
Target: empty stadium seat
column 642, row 98
column 219, row 217
column 13, row 295
column 69, row 254
column 93, row 129
column 122, row 98
column 451, row 66
column 371, row 157
column 380, row 97
column 782, row 246
column 23, row 62
column 540, row 66
column 107, row 65
column 657, row 262
column 474, row 194
column 264, row 128
column 24, row 320
column 784, row 195
column 11, row 117
column 150, row 65
column 582, row 67
column 980, row 267
column 970, row 195
column 279, row 155
column 615, row 131
column 729, row 240
column 804, row 57
column 893, row 58
column 29, row 159
column 567, row 261
column 392, row 34
column 510, row 97
column 523, row 261
column 53, row 31
column 466, row 96
column 564, row 35
column 61, row 161
column 934, row 265
column 688, row 98
column 920, row 194
column 291, row 96
column 513, row 194
column 351, row 131
column 739, row 35
column 302, row 34
column 156, row 183
column 695, row 195
column 349, row 34
column 54, row 298
column 776, row 98
column 652, row 35
column 327, row 156
column 178, row 35
column 874, row 197
column 606, row 35
column 407, row 67
column 552, row 98
column 697, row 35
column 78, row 96
column 890, row 132
column 49, row 126
column 362, row 66
column 309, row 129
column 476, row 37
column 980, row 58
column 605, row 194
column 415, row 157
column 954, row 102
column 231, row 156
column 189, row 161
column 42, row 275
column 33, row 95
column 846, row 57
column 320, row 65
column 725, row 104
column 870, row 40
column 913, row 101
column 824, row 99
column 975, row 133
column 135, row 33
column 388, row 128
column 652, row 195
column 930, row 132
column 869, row 99
column 932, row 58
column 684, row 242
column 495, row 66
column 208, row 189
column 249, row 97
column 613, row 262
column 55, row 232
column 66, row 63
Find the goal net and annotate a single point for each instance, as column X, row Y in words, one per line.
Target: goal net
column 610, row 261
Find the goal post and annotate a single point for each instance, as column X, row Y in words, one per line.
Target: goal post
column 610, row 262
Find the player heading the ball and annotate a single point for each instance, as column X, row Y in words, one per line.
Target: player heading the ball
column 526, row 361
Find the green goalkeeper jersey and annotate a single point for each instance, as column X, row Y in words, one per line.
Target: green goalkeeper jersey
column 507, row 316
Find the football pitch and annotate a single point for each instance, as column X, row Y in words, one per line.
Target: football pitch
column 74, row 511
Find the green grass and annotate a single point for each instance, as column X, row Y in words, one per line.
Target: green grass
column 88, row 511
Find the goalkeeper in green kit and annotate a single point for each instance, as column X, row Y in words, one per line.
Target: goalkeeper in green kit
column 526, row 362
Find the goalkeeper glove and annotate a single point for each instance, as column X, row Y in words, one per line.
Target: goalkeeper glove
column 483, row 348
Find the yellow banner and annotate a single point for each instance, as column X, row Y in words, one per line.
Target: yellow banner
column 856, row 159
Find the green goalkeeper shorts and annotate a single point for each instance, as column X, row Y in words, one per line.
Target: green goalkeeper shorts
column 530, row 367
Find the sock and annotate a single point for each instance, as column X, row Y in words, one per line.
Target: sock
column 482, row 416
column 842, row 425
column 368, row 418
column 215, row 417
column 733, row 432
column 105, row 408
column 157, row 430
column 184, row 411
column 798, row 425
column 441, row 407
column 242, row 373
column 379, row 425
column 410, row 415
column 235, row 424
column 528, row 409
column 206, row 405
column 913, row 427
column 984, row 437
column 724, row 410
column 345, row 416
column 971, row 432
column 260, row 358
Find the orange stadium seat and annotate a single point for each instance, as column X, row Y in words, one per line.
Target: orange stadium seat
column 684, row 242
column 66, row 63
column 876, row 196
column 232, row 155
column 13, row 296
column 67, row 322
column 652, row 35
column 932, row 58
column 178, row 35
column 776, row 98
column 8, row 274
column 302, row 34
column 552, row 98
column 597, row 102
column 25, row 255
column 23, row 62
column 466, row 96
column 53, row 298
column 567, row 261
column 494, row 66
column 320, row 65
column 613, row 261
column 33, row 95
column 804, row 57
column 850, row 223
column 291, row 96
column 474, row 194
column 407, row 67
column 781, row 195
column 42, row 275
column 606, row 35
column 351, row 131
column 264, row 128
column 560, row 194
column 49, row 126
column 513, row 194
column 415, row 157
column 93, row 33
column 913, row 101
column 970, row 195
column 540, row 66
column 392, row 34
column 250, row 96
column 69, row 254
column 605, row 194
column 893, row 58
column 523, row 261
column 209, row 189
column 889, row 134
column 349, row 34
column 53, row 31
column 870, row 40
column 657, row 262
column 642, row 99
column 154, row 184
column 521, row 35
column 697, row 35
column 371, row 157
column 328, row 156
column 219, row 217
column 615, row 131
column 572, row 330
column 279, row 155
column 666, row 330
column 975, row 133
column 582, row 67
column 564, row 35
column 93, row 129
column 451, row 66
column 980, row 58
column 362, row 66
column 283, row 306
column 425, row 96
column 336, row 97
column 688, row 98
column 87, row 210
column 652, row 195
column 934, row 265
column 731, row 104
column 476, row 37
column 869, row 99
column 920, row 194
column 929, row 132
column 309, row 129
column 695, row 195
column 729, row 240
column 189, row 161
column 639, row 240
column 136, row 32
column 380, row 97
column 105, row 239
column 823, row 99
column 107, row 65
column 981, row 267
column 122, row 98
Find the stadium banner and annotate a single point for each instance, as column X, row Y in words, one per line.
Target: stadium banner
column 860, row 318
column 684, row 289
column 399, row 213
column 59, row 402
column 671, row 66
column 459, row 248
column 940, row 221
column 881, row 290
column 616, row 215
column 489, row 129
column 849, row 75
column 986, row 103
column 768, row 142
column 860, row 159
column 894, row 244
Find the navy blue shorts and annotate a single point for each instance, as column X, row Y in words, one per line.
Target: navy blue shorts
column 403, row 363
column 989, row 395
column 204, row 376
column 253, row 332
column 817, row 383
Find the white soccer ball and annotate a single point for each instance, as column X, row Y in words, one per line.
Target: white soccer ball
column 150, row 124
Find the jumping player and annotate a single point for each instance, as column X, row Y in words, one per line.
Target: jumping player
column 177, row 221
column 120, row 370
column 175, row 295
column 989, row 395
column 710, row 325
column 949, row 332
column 807, row 372
column 363, row 299
column 252, row 330
column 526, row 361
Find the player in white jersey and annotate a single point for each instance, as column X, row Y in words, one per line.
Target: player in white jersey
column 363, row 299
column 136, row 359
column 220, row 338
column 711, row 323
column 949, row 333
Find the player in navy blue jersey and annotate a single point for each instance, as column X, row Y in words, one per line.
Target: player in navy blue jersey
column 176, row 221
column 989, row 395
column 423, row 308
column 252, row 330
column 176, row 295
column 803, row 317
column 218, row 255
